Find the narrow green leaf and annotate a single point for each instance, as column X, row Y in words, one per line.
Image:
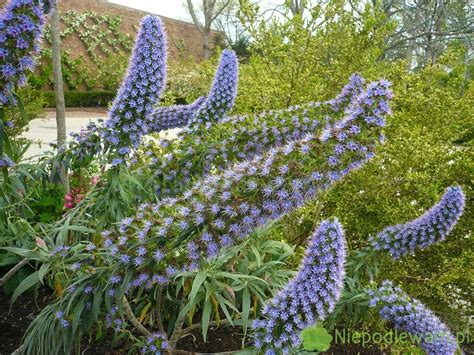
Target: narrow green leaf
column 198, row 280
column 29, row 254
column 25, row 285
column 206, row 315
column 42, row 271
column 245, row 308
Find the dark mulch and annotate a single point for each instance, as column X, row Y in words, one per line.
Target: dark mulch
column 14, row 323
column 223, row 339
column 230, row 339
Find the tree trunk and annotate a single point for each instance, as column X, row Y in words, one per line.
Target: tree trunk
column 205, row 45
column 58, row 88
column 411, row 55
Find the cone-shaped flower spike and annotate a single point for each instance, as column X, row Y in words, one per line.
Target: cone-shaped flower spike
column 141, row 89
column 223, row 91
column 348, row 93
column 21, row 28
column 432, row 227
column 410, row 315
column 309, row 296
column 205, row 109
column 237, row 138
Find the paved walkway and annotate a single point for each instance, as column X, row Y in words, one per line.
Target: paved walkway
column 43, row 131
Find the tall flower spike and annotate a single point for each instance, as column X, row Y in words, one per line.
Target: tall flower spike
column 432, row 227
column 21, row 28
column 176, row 116
column 309, row 296
column 223, row 91
column 222, row 209
column 410, row 315
column 175, row 164
column 141, row 89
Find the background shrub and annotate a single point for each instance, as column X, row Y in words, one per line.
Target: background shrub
column 82, row 99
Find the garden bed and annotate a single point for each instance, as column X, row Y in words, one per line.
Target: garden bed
column 14, row 323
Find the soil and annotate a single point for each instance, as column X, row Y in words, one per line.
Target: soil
column 14, row 322
column 229, row 339
column 224, row 339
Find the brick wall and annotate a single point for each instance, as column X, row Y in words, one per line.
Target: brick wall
column 179, row 32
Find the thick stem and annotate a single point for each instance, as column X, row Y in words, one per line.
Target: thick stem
column 131, row 317
column 177, row 333
column 13, row 271
column 198, row 325
column 159, row 321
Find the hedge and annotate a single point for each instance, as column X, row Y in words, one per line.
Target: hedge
column 88, row 98
column 81, row 98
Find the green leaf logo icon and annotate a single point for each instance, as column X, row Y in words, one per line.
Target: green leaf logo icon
column 316, row 338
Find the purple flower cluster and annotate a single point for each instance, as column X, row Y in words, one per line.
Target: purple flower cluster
column 223, row 91
column 238, row 138
column 155, row 344
column 21, row 28
column 410, row 315
column 176, row 116
column 141, row 89
column 433, row 226
column 59, row 315
column 309, row 296
column 222, row 209
column 86, row 143
column 6, row 162
column 348, row 93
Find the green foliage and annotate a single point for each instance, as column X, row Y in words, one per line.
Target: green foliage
column 237, row 283
column 100, row 34
column 47, row 202
column 81, row 98
column 296, row 59
column 33, row 102
column 107, row 50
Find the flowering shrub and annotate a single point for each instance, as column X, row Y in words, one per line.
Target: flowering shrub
column 173, row 235
column 243, row 173
column 21, row 29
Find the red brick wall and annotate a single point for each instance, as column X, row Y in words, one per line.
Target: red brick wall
column 178, row 31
